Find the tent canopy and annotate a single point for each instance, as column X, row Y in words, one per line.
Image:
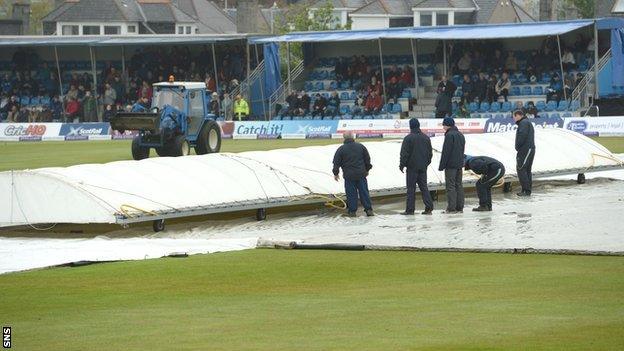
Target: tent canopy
column 116, row 40
column 459, row 32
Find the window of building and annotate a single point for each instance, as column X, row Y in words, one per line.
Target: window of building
column 132, row 29
column 180, row 29
column 401, row 22
column 70, row 30
column 91, row 30
column 188, row 29
column 426, row 19
column 463, row 17
column 112, row 30
column 441, row 19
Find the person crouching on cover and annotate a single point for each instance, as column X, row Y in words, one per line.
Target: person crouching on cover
column 355, row 162
column 491, row 170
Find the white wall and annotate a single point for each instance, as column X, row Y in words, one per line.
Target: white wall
column 369, row 22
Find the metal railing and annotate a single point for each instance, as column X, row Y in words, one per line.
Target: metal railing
column 244, row 90
column 585, row 89
column 279, row 96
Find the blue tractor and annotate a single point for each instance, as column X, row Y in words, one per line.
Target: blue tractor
column 177, row 120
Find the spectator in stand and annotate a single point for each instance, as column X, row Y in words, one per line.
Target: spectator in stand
column 568, row 60
column 555, row 89
column 11, row 108
column 569, row 85
column 333, row 104
column 497, row 62
column 477, row 62
column 490, row 94
column 110, row 95
column 119, row 88
column 374, row 103
column 211, row 84
column 503, row 86
column 468, row 90
column 145, row 90
column 579, row 78
column 89, row 108
column 444, row 100
column 72, row 93
column 481, row 86
column 530, row 110
column 320, row 105
column 407, row 77
column 56, row 107
column 109, row 113
column 72, row 110
column 463, row 66
column 393, row 90
column 362, row 63
column 531, row 74
column 358, row 104
column 142, row 105
column 226, row 107
column 511, row 64
column 374, row 85
column 241, row 108
column 304, row 102
column 214, row 104
column 393, row 73
column 340, row 69
column 293, row 105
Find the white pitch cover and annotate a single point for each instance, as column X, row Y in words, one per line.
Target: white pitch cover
column 96, row 193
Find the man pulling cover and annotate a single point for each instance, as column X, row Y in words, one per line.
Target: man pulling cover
column 491, row 170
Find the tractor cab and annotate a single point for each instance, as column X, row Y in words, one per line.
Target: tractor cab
column 177, row 120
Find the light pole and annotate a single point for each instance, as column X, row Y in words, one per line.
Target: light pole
column 273, row 8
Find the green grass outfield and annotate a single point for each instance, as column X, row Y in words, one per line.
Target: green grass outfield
column 322, row 300
column 22, row 155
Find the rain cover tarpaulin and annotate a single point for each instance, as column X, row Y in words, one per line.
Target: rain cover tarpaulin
column 98, row 193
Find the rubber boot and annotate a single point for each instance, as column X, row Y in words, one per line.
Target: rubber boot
column 427, row 211
column 369, row 213
column 482, row 208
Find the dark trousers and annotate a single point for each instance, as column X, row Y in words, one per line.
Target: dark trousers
column 352, row 189
column 486, row 182
column 524, row 163
column 454, row 189
column 413, row 178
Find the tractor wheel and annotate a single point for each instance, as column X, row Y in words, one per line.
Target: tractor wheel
column 209, row 139
column 162, row 151
column 139, row 152
column 180, row 147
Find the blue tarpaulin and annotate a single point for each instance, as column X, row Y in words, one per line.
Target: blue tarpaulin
column 460, row 32
column 617, row 54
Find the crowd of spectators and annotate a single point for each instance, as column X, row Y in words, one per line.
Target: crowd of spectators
column 33, row 80
column 485, row 68
column 360, row 75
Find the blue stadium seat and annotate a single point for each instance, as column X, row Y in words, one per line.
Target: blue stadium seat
column 357, row 117
column 506, row 107
column 526, row 90
column 307, row 118
column 345, row 85
column 538, row 90
column 317, row 118
column 346, row 117
column 545, row 78
column 325, row 95
column 276, row 118
column 344, row 96
column 540, row 105
column 515, row 91
column 333, row 85
column 25, row 100
column 307, row 86
column 499, row 116
column 542, row 114
column 574, row 105
column 353, row 95
column 475, row 115
column 286, row 118
column 319, row 86
column 566, row 115
column 344, row 109
column 406, row 94
column 555, row 115
column 473, row 107
column 563, row 105
column 396, row 108
column 487, row 115
column 328, row 118
column 367, row 117
column 45, row 100
column 35, row 100
column 495, row 107
column 484, row 107
column 551, row 105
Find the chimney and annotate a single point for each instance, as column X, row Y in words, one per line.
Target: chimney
column 21, row 11
column 247, row 16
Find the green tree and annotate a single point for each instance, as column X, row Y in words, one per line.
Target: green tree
column 300, row 18
column 585, row 7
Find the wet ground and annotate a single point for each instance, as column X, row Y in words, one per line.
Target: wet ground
column 560, row 215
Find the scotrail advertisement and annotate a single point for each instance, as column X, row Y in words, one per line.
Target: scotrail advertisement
column 278, row 129
column 84, row 131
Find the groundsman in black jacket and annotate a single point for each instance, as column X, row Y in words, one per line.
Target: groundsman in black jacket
column 355, row 162
column 491, row 170
column 416, row 154
column 525, row 148
column 452, row 163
